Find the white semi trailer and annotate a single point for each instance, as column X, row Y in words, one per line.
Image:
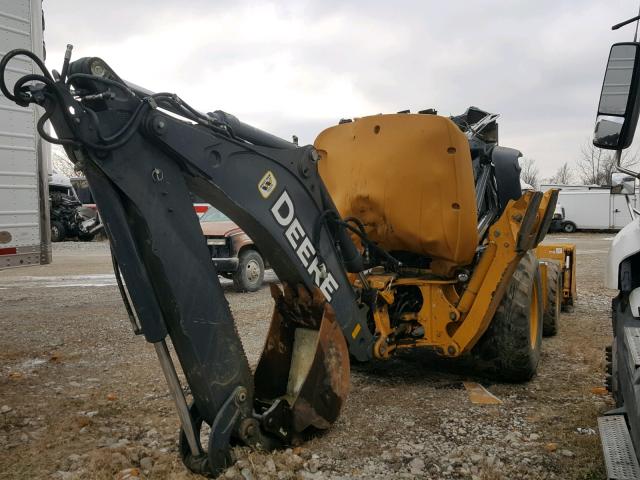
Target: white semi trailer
column 593, row 208
column 24, row 158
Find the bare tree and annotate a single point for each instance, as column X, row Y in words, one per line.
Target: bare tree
column 563, row 175
column 595, row 165
column 61, row 162
column 529, row 172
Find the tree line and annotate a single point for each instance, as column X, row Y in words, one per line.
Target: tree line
column 594, row 166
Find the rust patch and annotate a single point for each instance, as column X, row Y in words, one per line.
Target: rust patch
column 314, row 381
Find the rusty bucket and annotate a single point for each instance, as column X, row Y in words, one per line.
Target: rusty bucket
column 302, row 379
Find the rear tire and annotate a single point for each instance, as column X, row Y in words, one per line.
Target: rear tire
column 554, row 300
column 569, row 227
column 510, row 348
column 58, row 232
column 250, row 273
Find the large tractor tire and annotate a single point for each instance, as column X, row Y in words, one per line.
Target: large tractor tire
column 510, row 348
column 554, row 300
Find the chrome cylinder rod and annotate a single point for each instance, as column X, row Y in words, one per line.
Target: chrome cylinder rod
column 178, row 396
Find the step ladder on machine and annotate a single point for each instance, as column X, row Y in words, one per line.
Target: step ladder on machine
column 619, row 456
column 617, row 446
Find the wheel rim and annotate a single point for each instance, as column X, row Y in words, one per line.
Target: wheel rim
column 534, row 316
column 253, row 271
column 55, row 233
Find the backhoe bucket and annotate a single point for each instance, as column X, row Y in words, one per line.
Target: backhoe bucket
column 302, row 378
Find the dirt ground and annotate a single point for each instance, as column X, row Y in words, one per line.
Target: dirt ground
column 81, row 397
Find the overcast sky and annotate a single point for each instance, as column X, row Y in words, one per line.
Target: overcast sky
column 296, row 67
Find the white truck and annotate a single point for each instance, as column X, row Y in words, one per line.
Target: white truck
column 591, row 207
column 24, row 157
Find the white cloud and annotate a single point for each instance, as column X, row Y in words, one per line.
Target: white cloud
column 297, row 67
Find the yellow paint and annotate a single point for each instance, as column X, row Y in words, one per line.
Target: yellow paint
column 409, row 179
column 534, row 315
column 503, row 235
column 565, row 254
column 356, row 331
column 454, row 321
column 544, row 283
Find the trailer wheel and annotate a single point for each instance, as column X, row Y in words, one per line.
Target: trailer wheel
column 510, row 348
column 58, row 232
column 250, row 273
column 569, row 227
column 554, row 299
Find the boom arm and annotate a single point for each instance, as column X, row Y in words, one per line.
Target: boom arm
column 142, row 162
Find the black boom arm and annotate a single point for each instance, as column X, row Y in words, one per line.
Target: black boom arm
column 142, row 155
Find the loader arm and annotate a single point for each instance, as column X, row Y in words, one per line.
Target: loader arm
column 142, row 155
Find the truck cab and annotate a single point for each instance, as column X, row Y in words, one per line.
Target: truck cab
column 616, row 121
column 233, row 253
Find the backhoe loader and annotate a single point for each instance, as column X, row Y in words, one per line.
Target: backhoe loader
column 391, row 232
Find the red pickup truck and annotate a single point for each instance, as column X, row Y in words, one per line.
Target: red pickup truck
column 234, row 254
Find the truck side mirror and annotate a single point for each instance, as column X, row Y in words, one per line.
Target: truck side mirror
column 618, row 107
column 623, row 184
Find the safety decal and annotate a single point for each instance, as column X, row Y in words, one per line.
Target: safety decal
column 267, row 184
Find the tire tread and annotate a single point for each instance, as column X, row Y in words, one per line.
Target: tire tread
column 504, row 352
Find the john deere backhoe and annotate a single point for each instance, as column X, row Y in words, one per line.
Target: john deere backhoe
column 391, row 232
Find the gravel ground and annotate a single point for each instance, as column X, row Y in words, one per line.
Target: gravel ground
column 81, row 397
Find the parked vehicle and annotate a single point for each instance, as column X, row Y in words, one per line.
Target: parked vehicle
column 24, row 158
column 69, row 217
column 589, row 208
column 233, row 253
column 616, row 121
column 559, row 223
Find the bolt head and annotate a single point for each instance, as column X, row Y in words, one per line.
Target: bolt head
column 159, row 125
